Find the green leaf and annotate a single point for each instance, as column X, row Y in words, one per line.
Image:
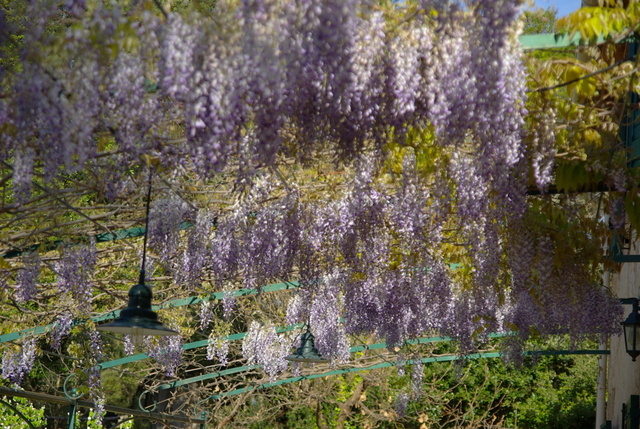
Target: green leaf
column 571, row 176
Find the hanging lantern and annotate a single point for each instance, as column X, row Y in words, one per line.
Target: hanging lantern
column 138, row 319
column 307, row 352
column 632, row 332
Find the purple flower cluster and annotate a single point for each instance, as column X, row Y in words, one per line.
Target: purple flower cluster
column 167, row 351
column 206, row 314
column 178, row 62
column 257, row 241
column 128, row 111
column 95, row 345
column 324, row 321
column 401, row 404
column 407, row 208
column 129, row 345
column 218, row 348
column 61, row 328
column 15, row 366
column 75, row 271
column 416, row 378
column 196, row 253
column 273, row 234
column 228, row 302
column 26, row 282
column 263, row 346
column 549, row 299
column 76, row 7
column 298, row 307
column 472, row 200
column 99, row 401
column 165, row 217
column 543, row 146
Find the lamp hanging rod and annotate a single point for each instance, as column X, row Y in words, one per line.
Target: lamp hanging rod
column 146, row 229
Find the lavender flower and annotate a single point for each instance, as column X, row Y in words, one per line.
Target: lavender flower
column 228, row 302
column 270, row 242
column 128, row 111
column 196, row 253
column 218, row 348
column 164, row 219
column 297, row 308
column 61, row 328
column 206, row 314
column 95, row 391
column 129, row 345
column 22, row 173
column 324, row 320
column 401, row 404
column 76, row 7
column 543, row 146
column 416, row 378
column 405, row 53
column 167, row 351
column 26, row 287
column 263, row 346
column 471, row 190
column 15, row 366
column 178, row 47
column 95, row 343
column 75, row 271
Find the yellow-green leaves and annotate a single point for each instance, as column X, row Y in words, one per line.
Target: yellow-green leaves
column 582, row 87
column 594, row 22
column 420, row 141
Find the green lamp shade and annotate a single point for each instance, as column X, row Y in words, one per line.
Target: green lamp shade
column 138, row 318
column 307, row 352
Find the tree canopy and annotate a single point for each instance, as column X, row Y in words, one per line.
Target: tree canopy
column 406, row 169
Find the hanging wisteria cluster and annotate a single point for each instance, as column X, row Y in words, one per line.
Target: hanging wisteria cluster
column 331, row 72
column 94, row 379
column 264, row 346
column 26, row 287
column 15, row 365
column 61, row 328
column 75, row 273
column 167, row 351
column 218, row 348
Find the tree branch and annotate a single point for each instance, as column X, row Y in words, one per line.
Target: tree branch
column 345, row 409
column 320, row 420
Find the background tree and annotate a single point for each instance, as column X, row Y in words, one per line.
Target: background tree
column 539, row 20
